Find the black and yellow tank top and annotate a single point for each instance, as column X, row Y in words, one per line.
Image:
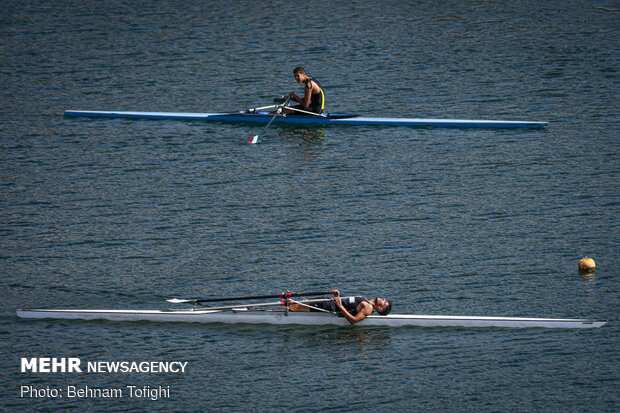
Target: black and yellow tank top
column 317, row 100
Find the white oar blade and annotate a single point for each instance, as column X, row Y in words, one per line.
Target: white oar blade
column 255, row 139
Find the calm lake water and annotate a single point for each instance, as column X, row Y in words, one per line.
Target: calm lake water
column 114, row 213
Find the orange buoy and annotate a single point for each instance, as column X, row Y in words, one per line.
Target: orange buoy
column 587, row 265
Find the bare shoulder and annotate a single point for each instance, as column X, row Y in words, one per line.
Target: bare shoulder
column 313, row 85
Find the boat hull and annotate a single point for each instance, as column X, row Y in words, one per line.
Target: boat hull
column 306, row 318
column 333, row 119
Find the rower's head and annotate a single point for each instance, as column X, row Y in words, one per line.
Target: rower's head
column 300, row 74
column 383, row 306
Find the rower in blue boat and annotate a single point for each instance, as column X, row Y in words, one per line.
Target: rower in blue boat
column 354, row 309
column 314, row 97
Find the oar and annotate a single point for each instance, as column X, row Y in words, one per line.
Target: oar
column 254, row 297
column 280, row 303
column 259, row 137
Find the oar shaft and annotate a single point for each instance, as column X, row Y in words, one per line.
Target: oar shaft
column 261, row 297
column 321, row 115
column 263, row 108
column 270, row 121
column 253, row 297
column 257, row 138
column 280, row 303
column 275, row 115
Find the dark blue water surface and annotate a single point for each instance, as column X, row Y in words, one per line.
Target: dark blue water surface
column 115, row 213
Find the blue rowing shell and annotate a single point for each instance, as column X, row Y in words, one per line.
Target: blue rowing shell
column 328, row 119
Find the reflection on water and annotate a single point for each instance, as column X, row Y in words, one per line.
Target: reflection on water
column 590, row 287
column 366, row 339
column 587, row 276
column 309, row 141
column 312, row 136
column 304, row 136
